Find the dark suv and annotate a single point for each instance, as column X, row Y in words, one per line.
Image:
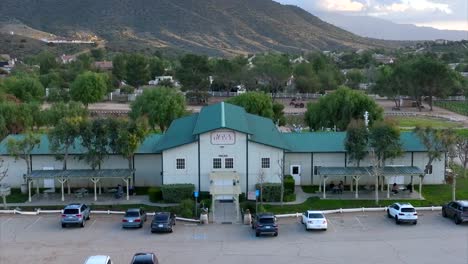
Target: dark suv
column 457, row 210
column 265, row 223
column 163, row 222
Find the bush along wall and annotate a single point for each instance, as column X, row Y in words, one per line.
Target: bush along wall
column 155, row 194
column 288, row 185
column 175, row 193
column 271, row 191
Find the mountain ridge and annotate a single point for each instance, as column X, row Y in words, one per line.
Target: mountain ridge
column 215, row 27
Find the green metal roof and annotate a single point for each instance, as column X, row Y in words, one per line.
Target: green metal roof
column 358, row 171
column 148, row 145
column 179, row 133
column 334, row 142
column 264, row 131
column 104, row 173
column 222, row 115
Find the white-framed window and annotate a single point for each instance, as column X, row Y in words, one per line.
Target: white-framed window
column 265, row 163
column 295, row 170
column 217, row 163
column 229, row 163
column 180, row 164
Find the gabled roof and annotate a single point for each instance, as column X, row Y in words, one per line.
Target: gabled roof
column 334, row 142
column 222, row 115
column 179, row 133
column 264, row 131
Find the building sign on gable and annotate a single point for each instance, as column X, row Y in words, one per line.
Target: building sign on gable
column 223, row 138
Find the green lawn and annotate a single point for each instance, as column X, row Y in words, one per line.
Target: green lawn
column 413, row 121
column 434, row 195
column 16, row 196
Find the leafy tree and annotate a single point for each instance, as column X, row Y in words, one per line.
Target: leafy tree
column 22, row 148
column 63, row 136
column 25, row 88
column 129, row 137
column 257, row 103
column 193, row 72
column 274, row 70
column 226, row 72
column 156, row 67
column 119, row 67
column 98, row 54
column 15, row 118
column 339, row 108
column 356, row 141
column 160, row 105
column 88, row 88
column 137, row 70
column 306, row 78
column 61, row 110
column 46, row 61
column 354, row 78
column 278, row 114
column 95, row 139
column 462, row 151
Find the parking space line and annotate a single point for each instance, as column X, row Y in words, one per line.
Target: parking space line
column 30, row 225
column 4, row 222
column 92, row 223
column 359, row 221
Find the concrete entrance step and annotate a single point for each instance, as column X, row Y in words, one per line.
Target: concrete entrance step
column 225, row 212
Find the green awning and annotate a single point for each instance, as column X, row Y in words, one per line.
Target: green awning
column 105, row 173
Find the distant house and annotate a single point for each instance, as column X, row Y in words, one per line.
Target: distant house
column 383, row 59
column 159, row 79
column 7, row 63
column 298, row 60
column 64, row 59
column 103, row 65
column 441, row 41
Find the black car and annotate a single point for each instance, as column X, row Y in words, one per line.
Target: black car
column 163, row 222
column 265, row 223
column 457, row 210
column 144, row 258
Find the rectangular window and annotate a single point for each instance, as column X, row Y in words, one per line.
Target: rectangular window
column 217, row 163
column 428, row 169
column 180, row 164
column 229, row 163
column 265, row 163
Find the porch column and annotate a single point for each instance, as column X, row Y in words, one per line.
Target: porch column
column 324, row 186
column 356, row 179
column 420, row 187
column 412, row 183
column 237, row 208
column 213, row 206
column 382, row 183
column 388, row 189
column 320, row 183
column 351, row 187
column 62, row 181
column 68, row 186
column 37, row 186
column 126, row 182
column 29, row 189
column 95, row 181
column 100, row 186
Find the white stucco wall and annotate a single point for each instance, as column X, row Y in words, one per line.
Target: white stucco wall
column 171, row 175
column 256, row 153
column 304, row 161
column 208, row 151
column 16, row 169
column 148, row 170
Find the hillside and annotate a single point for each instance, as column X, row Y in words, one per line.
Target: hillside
column 215, row 27
column 372, row 27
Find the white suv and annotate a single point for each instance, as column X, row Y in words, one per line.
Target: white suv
column 314, row 220
column 100, row 259
column 402, row 212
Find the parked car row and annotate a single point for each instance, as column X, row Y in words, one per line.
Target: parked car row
column 77, row 214
column 138, row 258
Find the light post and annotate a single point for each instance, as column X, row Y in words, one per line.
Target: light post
column 195, row 194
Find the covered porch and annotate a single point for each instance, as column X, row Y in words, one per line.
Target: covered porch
column 225, row 190
column 356, row 173
column 64, row 177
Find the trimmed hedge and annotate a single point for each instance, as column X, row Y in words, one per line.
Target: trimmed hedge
column 155, row 194
column 175, row 193
column 271, row 191
column 288, row 184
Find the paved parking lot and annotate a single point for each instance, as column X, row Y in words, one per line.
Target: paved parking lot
column 351, row 238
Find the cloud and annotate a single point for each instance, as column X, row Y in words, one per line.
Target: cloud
column 342, row 5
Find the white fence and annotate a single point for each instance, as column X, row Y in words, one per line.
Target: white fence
column 335, row 211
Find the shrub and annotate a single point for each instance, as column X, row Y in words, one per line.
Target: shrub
column 271, row 191
column 155, row 194
column 288, row 184
column 174, row 193
column 291, row 197
column 185, row 208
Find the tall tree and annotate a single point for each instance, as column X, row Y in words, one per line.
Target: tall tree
column 356, row 141
column 193, row 73
column 274, row 70
column 137, row 70
column 353, row 78
column 338, row 108
column 88, row 88
column 257, row 103
column 160, row 105
column 63, row 137
column 25, row 88
column 95, row 139
column 46, row 61
column 462, row 151
column 21, row 148
column 156, row 67
column 119, row 67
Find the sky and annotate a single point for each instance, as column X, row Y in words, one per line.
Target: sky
column 441, row 14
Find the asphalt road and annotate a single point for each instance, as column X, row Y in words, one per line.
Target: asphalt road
column 351, row 238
